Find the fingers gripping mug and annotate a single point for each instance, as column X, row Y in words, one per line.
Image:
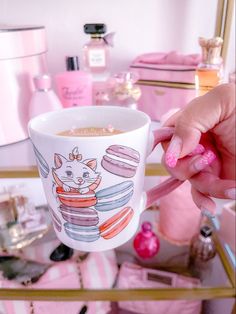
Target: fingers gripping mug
column 94, row 184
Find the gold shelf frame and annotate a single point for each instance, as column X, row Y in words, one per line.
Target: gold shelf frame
column 222, row 28
column 69, row 295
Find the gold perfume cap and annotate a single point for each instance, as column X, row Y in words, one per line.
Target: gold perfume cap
column 211, row 49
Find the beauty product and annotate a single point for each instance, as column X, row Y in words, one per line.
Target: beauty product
column 209, row 72
column 96, row 51
column 74, row 86
column 202, row 251
column 146, row 242
column 124, row 91
column 44, row 98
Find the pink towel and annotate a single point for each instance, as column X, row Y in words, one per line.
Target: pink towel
column 171, row 57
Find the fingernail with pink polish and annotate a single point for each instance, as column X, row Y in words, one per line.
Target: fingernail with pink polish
column 173, row 151
column 203, row 161
column 198, row 150
column 231, row 193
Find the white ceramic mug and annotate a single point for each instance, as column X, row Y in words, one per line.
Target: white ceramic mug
column 94, row 185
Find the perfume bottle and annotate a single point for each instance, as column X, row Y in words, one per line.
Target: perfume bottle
column 146, row 243
column 74, row 86
column 202, row 251
column 209, row 72
column 44, row 98
column 124, row 91
column 97, row 51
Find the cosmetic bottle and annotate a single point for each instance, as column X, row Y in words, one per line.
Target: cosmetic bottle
column 44, row 98
column 146, row 243
column 97, row 51
column 209, row 72
column 202, row 251
column 74, row 86
column 124, row 92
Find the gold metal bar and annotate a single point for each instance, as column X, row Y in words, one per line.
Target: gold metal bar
column 117, row 294
column 19, row 172
column 227, row 27
column 152, row 169
column 230, row 271
column 219, row 17
column 166, row 84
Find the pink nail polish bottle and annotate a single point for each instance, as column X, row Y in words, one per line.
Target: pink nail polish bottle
column 74, row 86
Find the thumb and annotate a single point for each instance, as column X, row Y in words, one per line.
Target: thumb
column 200, row 116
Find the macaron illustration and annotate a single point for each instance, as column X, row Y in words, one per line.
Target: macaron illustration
column 55, row 220
column 121, row 161
column 114, row 196
column 76, row 199
column 41, row 162
column 82, row 233
column 114, row 225
column 79, row 216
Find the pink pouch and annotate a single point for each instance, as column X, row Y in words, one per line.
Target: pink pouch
column 98, row 271
column 167, row 81
column 132, row 276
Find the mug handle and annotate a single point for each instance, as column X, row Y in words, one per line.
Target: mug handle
column 152, row 195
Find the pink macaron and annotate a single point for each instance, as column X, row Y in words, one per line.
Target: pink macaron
column 121, row 161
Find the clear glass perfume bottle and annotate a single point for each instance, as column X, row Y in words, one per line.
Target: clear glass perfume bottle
column 202, row 251
column 124, row 92
column 209, row 72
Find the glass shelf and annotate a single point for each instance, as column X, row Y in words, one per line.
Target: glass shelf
column 209, row 290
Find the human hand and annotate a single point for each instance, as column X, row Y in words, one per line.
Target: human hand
column 210, row 121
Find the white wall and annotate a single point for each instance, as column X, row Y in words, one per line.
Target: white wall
column 141, row 26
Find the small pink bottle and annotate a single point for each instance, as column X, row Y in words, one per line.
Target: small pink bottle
column 74, row 86
column 44, row 98
column 146, row 243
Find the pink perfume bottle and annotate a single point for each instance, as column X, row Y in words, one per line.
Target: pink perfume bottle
column 96, row 51
column 74, row 86
column 146, row 242
column 44, row 98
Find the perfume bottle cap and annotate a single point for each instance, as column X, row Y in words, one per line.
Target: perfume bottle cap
column 72, row 63
column 42, row 82
column 211, row 49
column 206, row 231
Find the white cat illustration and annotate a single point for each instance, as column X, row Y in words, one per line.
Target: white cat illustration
column 75, row 175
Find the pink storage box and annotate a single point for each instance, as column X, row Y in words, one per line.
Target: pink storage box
column 132, row 276
column 98, row 271
column 22, row 56
column 167, row 81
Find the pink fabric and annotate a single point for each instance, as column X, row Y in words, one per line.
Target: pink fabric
column 98, row 271
column 159, row 71
column 132, row 276
column 179, row 217
column 172, row 57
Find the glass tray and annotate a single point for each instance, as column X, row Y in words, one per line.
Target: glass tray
column 213, row 287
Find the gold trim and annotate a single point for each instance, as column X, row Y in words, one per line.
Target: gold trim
column 116, row 294
column 219, row 18
column 225, row 261
column 227, row 28
column 166, row 84
column 224, row 16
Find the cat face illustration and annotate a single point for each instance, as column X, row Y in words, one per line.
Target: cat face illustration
column 75, row 173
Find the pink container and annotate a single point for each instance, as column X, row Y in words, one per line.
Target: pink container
column 22, row 56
